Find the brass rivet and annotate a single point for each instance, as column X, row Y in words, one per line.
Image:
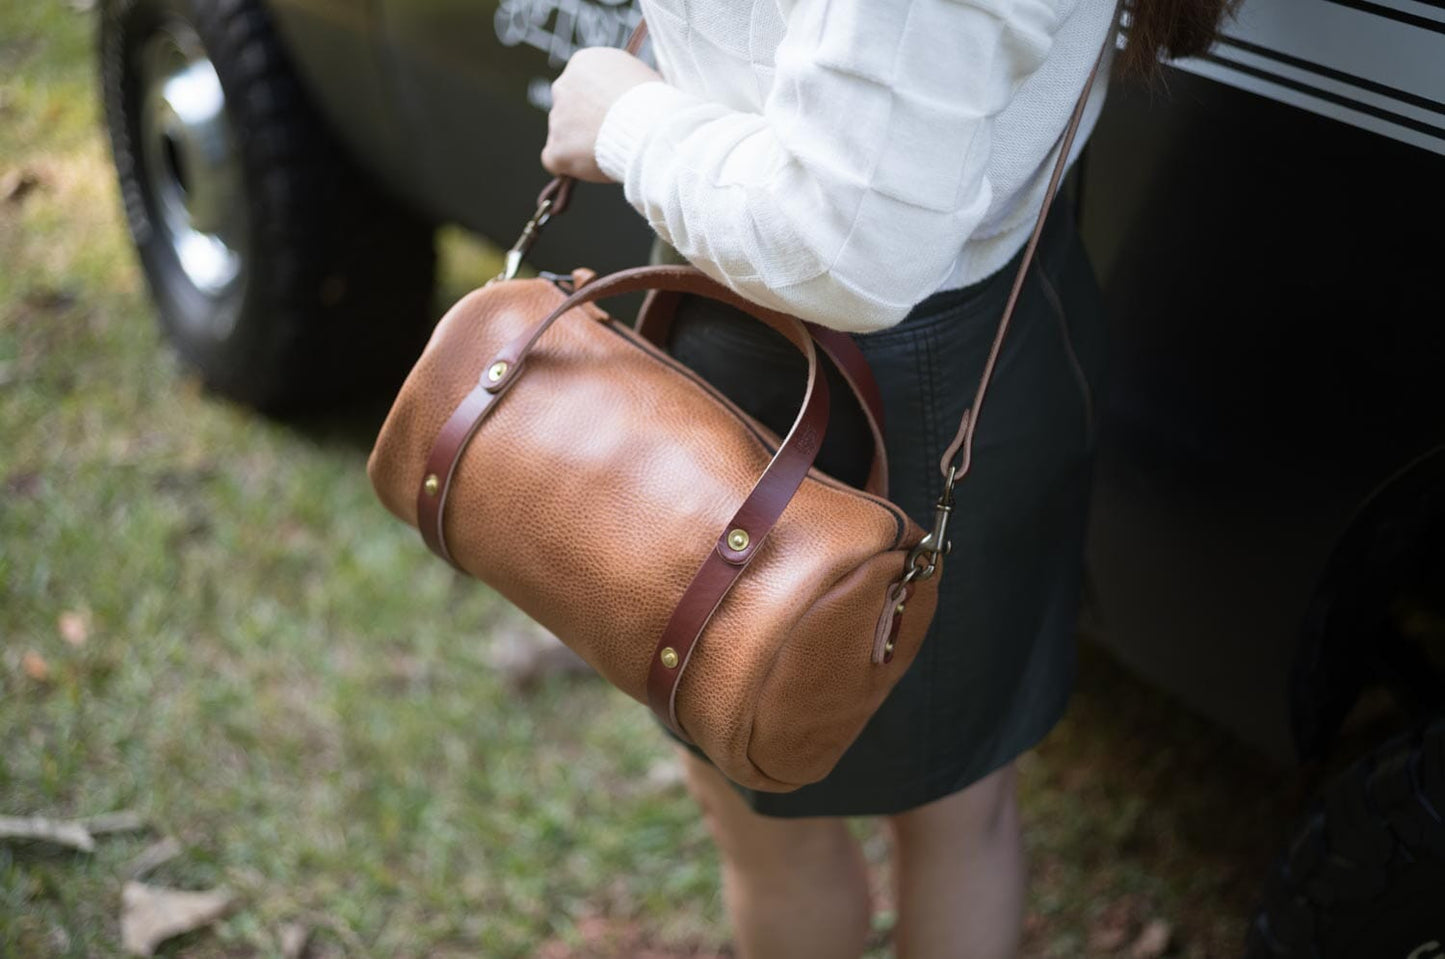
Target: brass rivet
column 738, row 539
column 498, row 370
column 668, row 657
column 888, row 648
column 432, row 484
column 898, row 610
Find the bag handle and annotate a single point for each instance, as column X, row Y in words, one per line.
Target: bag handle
column 765, row 502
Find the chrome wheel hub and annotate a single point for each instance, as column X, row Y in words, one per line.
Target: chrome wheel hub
column 191, row 163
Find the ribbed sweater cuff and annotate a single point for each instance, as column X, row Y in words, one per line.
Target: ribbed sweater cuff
column 628, row 121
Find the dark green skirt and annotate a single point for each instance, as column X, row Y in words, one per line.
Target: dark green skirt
column 995, row 671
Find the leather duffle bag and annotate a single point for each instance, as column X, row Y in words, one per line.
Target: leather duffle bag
column 695, row 559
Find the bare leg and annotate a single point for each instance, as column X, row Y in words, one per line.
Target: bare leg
column 959, row 874
column 795, row 888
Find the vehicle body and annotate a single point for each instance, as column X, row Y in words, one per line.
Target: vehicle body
column 445, row 101
column 1268, row 537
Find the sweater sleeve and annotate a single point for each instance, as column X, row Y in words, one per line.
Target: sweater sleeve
column 847, row 198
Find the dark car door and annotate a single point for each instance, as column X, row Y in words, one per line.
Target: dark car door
column 334, row 44
column 473, row 80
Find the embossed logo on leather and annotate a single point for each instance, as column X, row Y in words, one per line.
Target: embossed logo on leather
column 807, row 439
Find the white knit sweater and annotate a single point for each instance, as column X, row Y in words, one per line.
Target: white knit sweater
column 842, row 159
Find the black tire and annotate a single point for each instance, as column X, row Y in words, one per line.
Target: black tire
column 1365, row 876
column 332, row 278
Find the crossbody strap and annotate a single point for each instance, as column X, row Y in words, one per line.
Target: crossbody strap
column 958, row 457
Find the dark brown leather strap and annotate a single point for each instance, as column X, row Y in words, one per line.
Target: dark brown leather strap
column 853, row 365
column 963, row 439
column 729, row 557
column 441, row 465
column 634, row 40
column 654, row 323
column 654, row 318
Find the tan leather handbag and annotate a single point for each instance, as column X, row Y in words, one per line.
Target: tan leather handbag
column 696, row 560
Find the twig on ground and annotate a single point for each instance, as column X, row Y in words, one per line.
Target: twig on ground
column 125, row 820
column 73, row 835
column 153, row 857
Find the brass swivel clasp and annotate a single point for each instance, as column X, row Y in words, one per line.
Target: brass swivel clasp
column 925, row 559
column 513, row 261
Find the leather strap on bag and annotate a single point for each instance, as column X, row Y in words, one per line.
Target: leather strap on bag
column 963, row 441
column 926, row 558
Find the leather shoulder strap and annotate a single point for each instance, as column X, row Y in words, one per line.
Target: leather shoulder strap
column 639, row 34
column 963, row 441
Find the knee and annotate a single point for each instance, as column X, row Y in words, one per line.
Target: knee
column 979, row 814
column 782, row 849
column 756, row 845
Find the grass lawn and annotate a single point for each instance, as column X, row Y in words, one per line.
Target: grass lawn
column 208, row 618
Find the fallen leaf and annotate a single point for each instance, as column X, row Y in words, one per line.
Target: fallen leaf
column 153, row 857
column 152, row 914
column 40, row 829
column 35, row 666
column 50, row 299
column 1111, row 928
column 23, row 484
column 16, row 184
column 74, row 626
column 294, row 938
column 1154, row 941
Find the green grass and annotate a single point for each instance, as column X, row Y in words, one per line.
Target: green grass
column 280, row 676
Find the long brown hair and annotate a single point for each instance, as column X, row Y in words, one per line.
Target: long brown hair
column 1169, row 28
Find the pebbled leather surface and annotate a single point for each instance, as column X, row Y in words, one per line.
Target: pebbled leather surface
column 591, row 496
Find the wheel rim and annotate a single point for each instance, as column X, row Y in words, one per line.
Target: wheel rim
column 192, row 167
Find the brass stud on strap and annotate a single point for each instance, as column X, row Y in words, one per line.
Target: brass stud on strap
column 668, row 657
column 431, row 484
column 888, row 648
column 498, row 370
column 738, row 539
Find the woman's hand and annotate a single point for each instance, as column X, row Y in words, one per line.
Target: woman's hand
column 592, row 81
